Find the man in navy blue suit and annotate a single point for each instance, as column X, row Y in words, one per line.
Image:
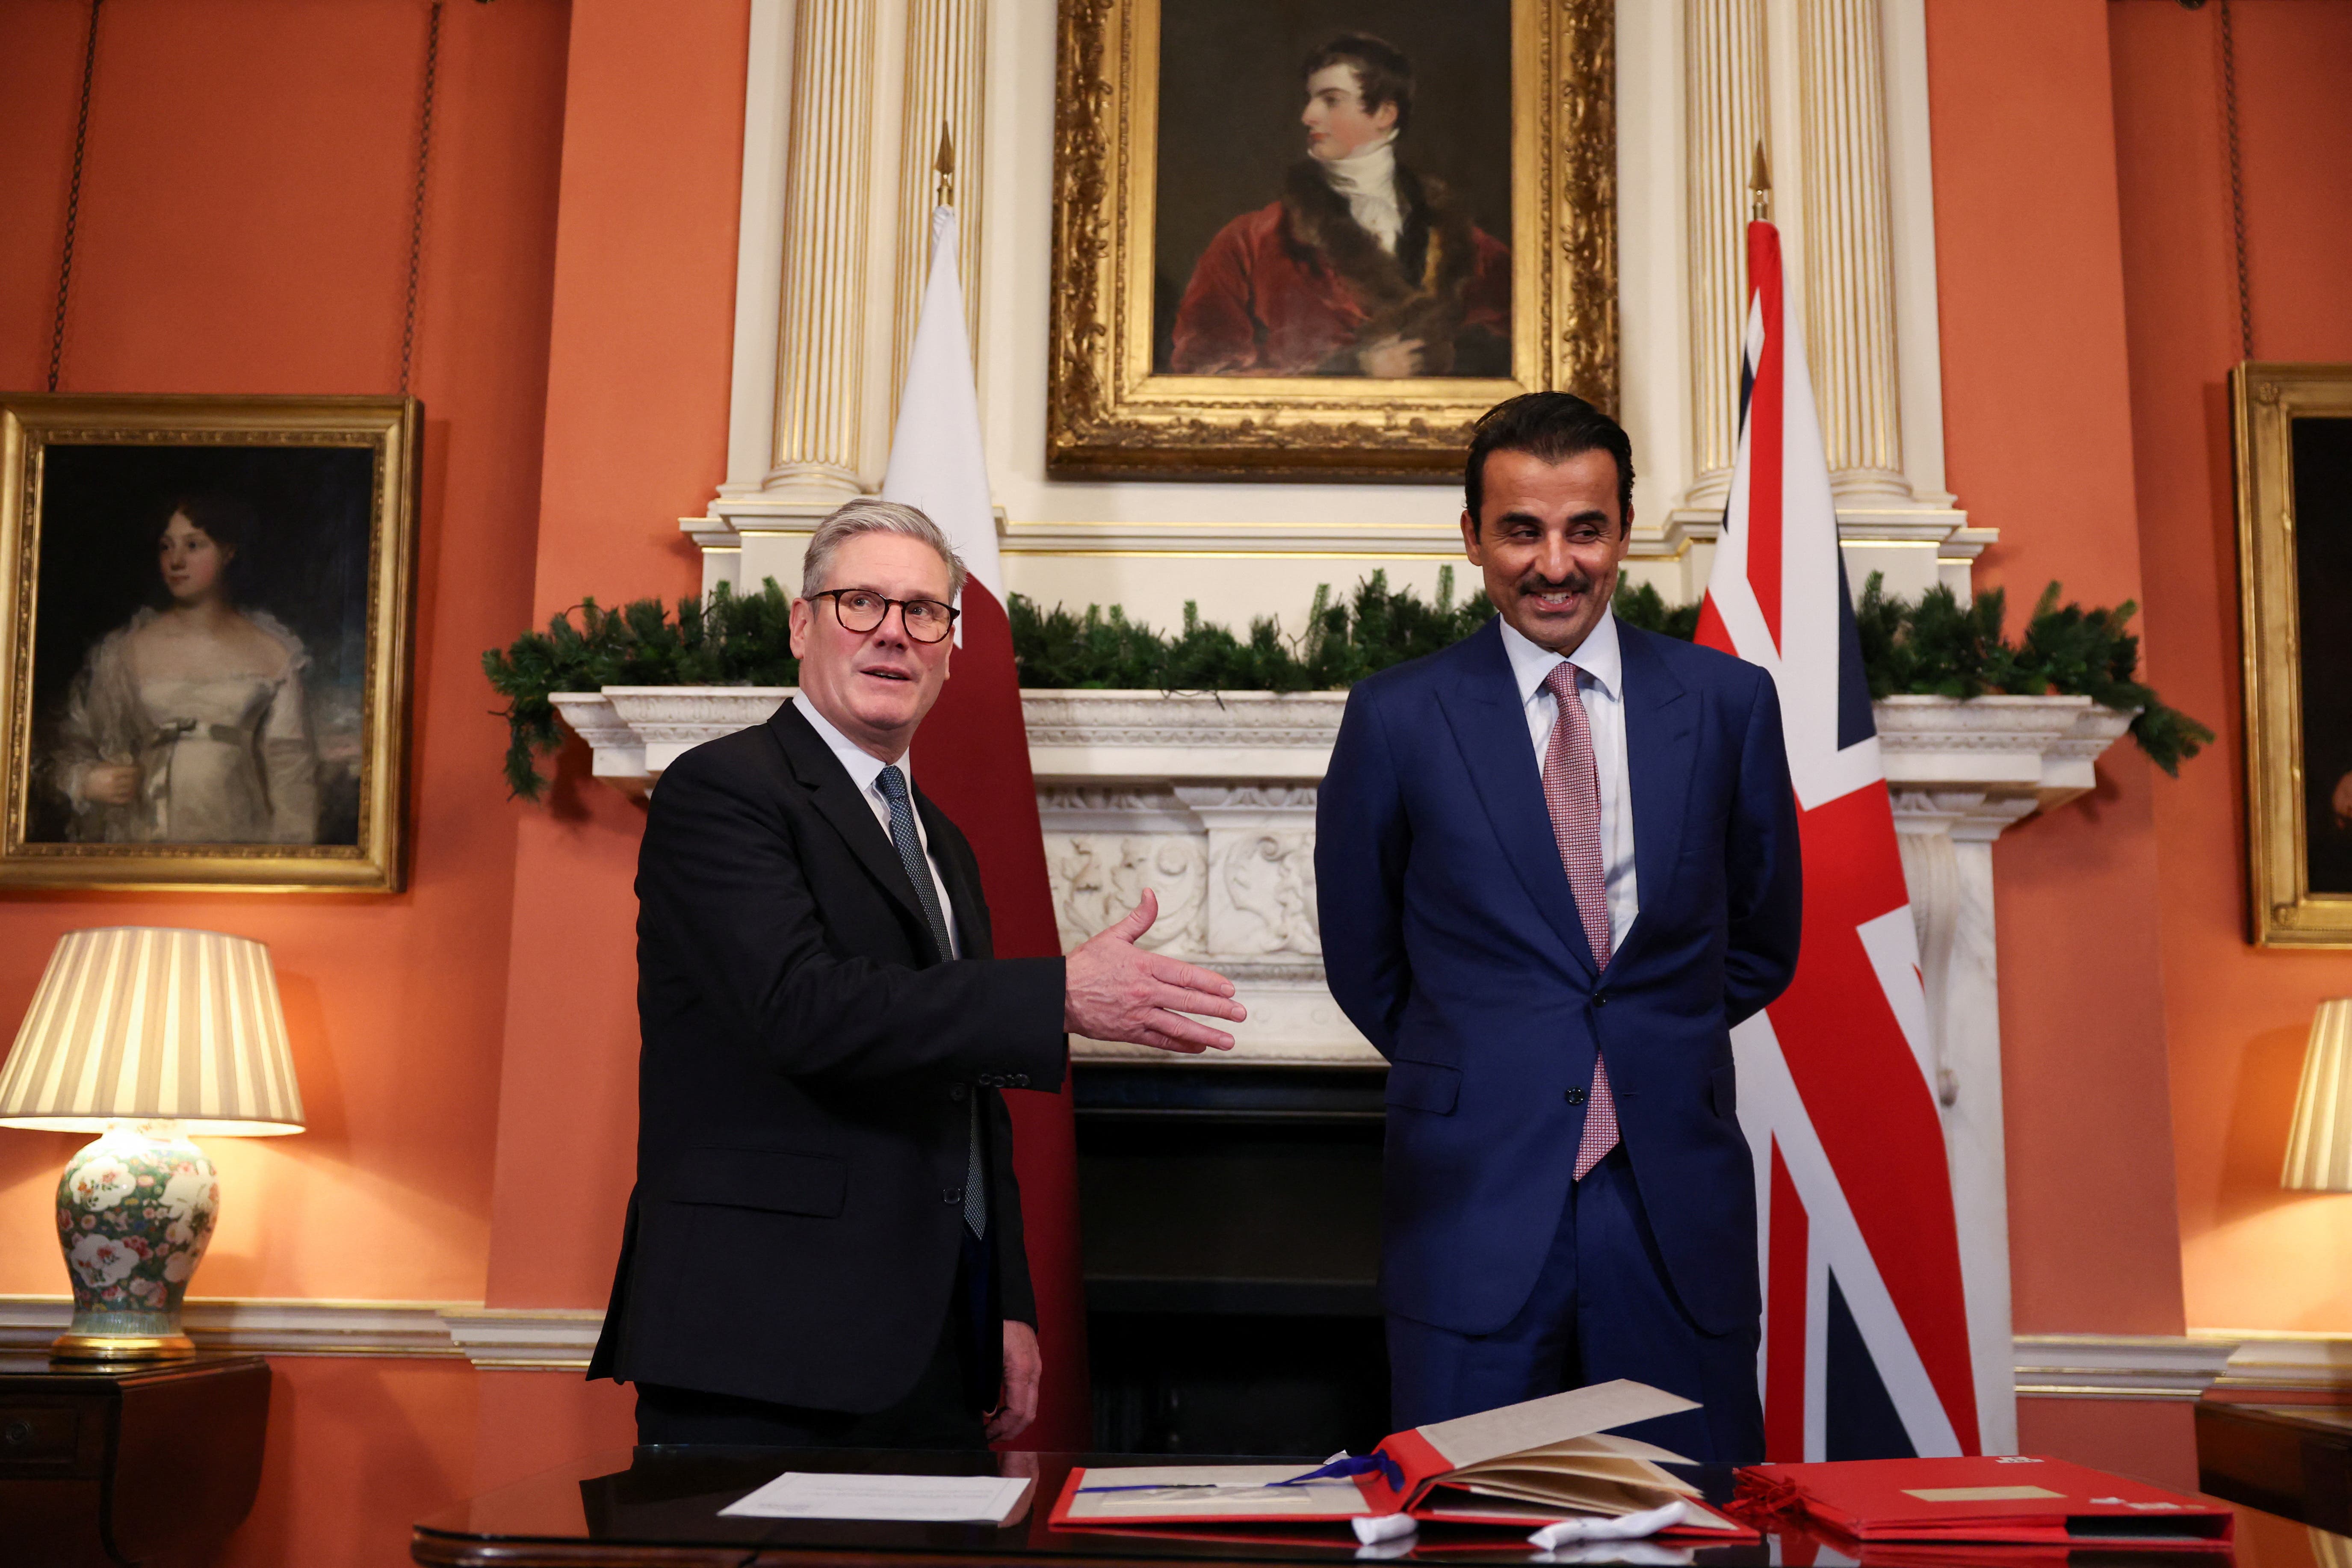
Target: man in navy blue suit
column 1557, row 863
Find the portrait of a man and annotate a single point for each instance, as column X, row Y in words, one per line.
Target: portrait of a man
column 1378, row 245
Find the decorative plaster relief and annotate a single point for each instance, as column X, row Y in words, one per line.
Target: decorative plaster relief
column 1098, row 877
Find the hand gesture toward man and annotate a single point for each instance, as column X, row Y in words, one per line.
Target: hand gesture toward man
column 1116, row 991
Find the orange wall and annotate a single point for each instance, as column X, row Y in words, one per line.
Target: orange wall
column 243, row 229
column 2253, row 1257
column 640, row 348
column 2040, row 445
column 358, row 1451
column 2039, row 437
column 641, row 345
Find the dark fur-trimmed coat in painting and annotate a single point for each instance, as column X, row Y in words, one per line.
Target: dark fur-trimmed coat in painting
column 1300, row 288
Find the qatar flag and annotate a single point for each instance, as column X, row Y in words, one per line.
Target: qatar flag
column 978, row 772
column 1868, row 1350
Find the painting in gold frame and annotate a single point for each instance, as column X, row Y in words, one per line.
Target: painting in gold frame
column 2293, row 446
column 204, row 640
column 1165, row 112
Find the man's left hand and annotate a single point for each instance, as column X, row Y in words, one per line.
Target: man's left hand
column 1018, row 1406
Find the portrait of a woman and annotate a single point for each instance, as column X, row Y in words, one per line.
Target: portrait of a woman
column 189, row 723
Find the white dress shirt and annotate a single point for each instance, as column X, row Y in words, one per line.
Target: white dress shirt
column 1602, row 688
column 866, row 773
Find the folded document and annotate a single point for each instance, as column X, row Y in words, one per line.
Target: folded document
column 1524, row 1466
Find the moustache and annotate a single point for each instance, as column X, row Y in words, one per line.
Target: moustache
column 1534, row 583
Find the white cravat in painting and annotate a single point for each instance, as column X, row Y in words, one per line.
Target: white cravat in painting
column 1368, row 179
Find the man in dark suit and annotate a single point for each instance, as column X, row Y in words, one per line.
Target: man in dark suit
column 824, row 1242
column 1556, row 863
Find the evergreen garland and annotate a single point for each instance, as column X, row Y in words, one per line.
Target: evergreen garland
column 1935, row 646
column 1379, row 627
column 732, row 640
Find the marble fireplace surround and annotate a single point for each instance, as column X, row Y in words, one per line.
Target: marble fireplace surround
column 1209, row 800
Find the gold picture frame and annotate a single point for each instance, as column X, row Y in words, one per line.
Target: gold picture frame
column 231, row 719
column 2293, row 441
column 1112, row 413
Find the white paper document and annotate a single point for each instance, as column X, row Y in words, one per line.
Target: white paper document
column 935, row 1499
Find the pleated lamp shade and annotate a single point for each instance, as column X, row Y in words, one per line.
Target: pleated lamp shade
column 2319, row 1147
column 144, row 1024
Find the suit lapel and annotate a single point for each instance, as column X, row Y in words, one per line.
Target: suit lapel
column 1491, row 729
column 814, row 764
column 967, row 906
column 1659, row 757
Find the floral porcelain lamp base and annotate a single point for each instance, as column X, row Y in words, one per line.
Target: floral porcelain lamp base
column 135, row 1211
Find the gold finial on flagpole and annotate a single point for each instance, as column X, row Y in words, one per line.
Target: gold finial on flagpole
column 1760, row 187
column 944, row 165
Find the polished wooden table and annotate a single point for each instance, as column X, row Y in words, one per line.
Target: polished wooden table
column 2291, row 1459
column 659, row 1508
column 125, row 1467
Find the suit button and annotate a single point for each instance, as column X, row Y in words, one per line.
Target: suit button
column 1600, row 999
column 1574, row 1097
column 957, row 1091
column 951, row 1197
column 1021, row 1081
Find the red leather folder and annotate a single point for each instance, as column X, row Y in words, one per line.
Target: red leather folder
column 2023, row 1500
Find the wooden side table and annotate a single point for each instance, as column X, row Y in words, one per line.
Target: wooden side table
column 2294, row 1459
column 138, row 1467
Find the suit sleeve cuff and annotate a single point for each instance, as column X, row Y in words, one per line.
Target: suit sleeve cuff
column 1031, row 1050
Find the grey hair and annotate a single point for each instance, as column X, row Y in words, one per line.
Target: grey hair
column 868, row 515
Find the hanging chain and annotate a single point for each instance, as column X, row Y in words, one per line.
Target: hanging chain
column 2237, row 184
column 416, row 209
column 73, row 199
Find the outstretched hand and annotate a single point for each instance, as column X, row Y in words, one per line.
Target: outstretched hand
column 1115, row 991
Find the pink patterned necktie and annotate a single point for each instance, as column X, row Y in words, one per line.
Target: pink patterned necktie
column 1571, row 785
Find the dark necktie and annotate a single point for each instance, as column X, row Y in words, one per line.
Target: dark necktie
column 909, row 844
column 1572, row 794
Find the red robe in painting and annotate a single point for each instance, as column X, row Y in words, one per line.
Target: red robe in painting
column 1298, row 286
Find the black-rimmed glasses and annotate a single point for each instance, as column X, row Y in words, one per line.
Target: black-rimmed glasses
column 860, row 610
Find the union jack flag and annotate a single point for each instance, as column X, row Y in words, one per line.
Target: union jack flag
column 1866, row 1347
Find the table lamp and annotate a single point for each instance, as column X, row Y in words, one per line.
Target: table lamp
column 2319, row 1145
column 145, row 1037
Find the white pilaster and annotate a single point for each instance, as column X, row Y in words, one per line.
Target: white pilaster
column 1728, row 112
column 1946, row 838
column 947, row 78
column 821, row 358
column 1840, row 87
column 1849, row 275
column 760, row 247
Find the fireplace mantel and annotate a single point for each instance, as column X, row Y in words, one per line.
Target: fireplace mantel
column 1209, row 800
column 2037, row 750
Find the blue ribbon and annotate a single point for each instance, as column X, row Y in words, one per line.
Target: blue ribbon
column 1344, row 1466
column 1354, row 1465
